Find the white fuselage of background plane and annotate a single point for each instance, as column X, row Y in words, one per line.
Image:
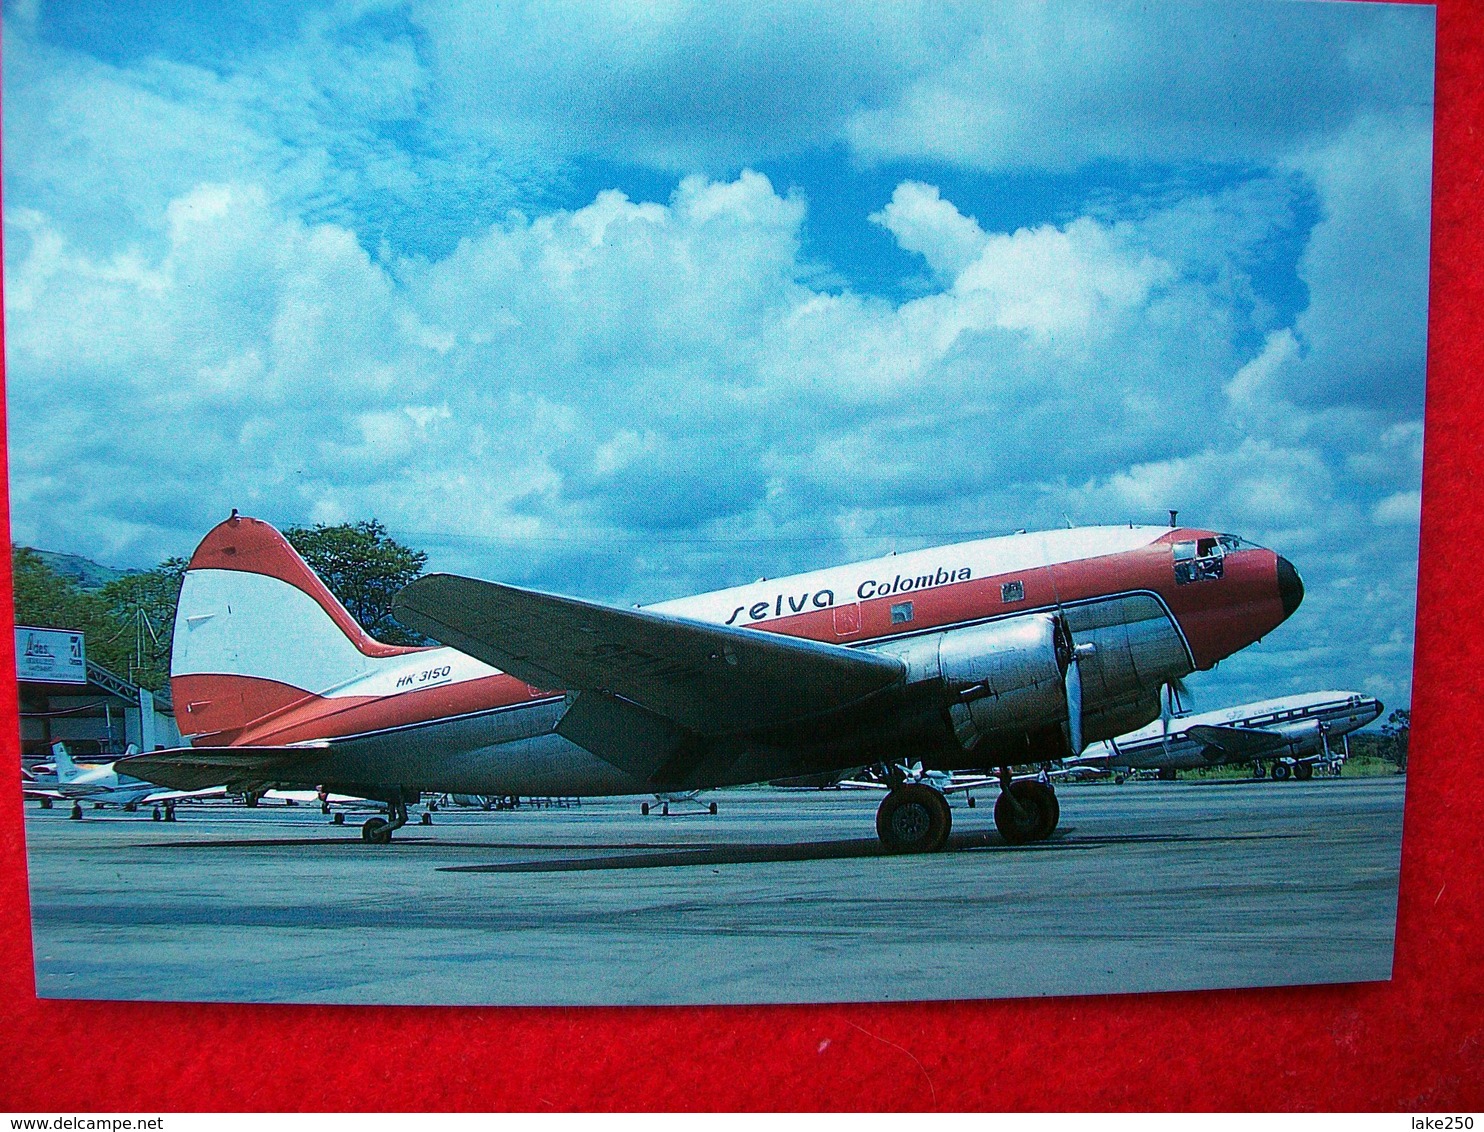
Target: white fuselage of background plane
column 1305, row 722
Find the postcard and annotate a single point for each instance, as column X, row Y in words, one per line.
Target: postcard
column 699, row 504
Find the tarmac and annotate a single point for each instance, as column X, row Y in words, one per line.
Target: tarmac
column 782, row 896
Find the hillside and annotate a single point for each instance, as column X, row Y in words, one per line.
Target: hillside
column 84, row 572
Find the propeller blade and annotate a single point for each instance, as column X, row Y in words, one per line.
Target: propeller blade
column 1073, row 680
column 1166, row 709
column 1180, row 693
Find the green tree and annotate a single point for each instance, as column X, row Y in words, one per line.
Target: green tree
column 143, row 606
column 1398, row 731
column 44, row 598
column 127, row 623
column 364, row 568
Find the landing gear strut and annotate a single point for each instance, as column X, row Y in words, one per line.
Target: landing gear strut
column 378, row 831
column 913, row 819
column 1026, row 810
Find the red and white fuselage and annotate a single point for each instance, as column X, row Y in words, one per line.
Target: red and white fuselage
column 265, row 656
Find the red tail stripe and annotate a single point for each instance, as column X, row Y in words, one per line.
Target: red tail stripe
column 224, row 706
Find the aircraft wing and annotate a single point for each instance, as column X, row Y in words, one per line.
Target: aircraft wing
column 708, row 679
column 199, row 768
column 1240, row 742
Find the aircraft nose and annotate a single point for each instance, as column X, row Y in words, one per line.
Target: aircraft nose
column 1290, row 586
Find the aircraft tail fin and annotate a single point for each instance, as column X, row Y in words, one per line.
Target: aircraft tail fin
column 67, row 770
column 257, row 631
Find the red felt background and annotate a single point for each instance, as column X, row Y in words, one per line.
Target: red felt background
column 1414, row 1043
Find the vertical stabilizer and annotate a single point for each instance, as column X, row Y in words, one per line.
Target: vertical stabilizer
column 256, row 631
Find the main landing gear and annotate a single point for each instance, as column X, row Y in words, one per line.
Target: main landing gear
column 915, row 818
column 1026, row 810
column 378, row 831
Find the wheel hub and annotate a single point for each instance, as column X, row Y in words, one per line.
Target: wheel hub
column 911, row 822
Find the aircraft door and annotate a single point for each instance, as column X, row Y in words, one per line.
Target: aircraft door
column 848, row 619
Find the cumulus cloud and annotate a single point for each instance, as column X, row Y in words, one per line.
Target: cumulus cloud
column 923, row 222
column 218, row 294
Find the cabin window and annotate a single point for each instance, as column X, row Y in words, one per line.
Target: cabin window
column 1200, row 560
column 901, row 613
column 1012, row 591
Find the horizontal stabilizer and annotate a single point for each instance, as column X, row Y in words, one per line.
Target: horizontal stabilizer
column 710, row 679
column 197, row 768
column 1242, row 742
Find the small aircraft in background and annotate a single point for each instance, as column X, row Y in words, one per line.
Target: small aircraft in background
column 1290, row 734
column 100, row 783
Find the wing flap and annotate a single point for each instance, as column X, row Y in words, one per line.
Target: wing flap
column 1238, row 741
column 710, row 679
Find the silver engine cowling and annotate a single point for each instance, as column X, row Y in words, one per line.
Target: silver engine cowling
column 1002, row 681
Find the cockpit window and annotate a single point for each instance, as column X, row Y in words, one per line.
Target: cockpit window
column 1200, row 560
column 1235, row 542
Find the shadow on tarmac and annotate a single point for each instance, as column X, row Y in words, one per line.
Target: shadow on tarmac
column 660, row 855
column 818, row 851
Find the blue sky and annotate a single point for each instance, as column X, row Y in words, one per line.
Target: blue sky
column 632, row 301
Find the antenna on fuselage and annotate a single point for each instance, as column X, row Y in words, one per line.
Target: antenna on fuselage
column 1173, row 513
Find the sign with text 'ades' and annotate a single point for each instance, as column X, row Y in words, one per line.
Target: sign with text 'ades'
column 52, row 656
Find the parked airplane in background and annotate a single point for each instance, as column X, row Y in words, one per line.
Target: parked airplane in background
column 1291, row 733
column 993, row 653
column 100, row 783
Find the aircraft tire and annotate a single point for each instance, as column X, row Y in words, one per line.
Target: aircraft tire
column 712, row 809
column 46, row 803
column 644, row 808
column 1280, row 772
column 913, row 819
column 1258, row 771
column 377, row 831
column 1027, row 811
column 131, row 807
column 155, row 814
column 1053, row 818
column 76, row 814
column 1303, row 771
column 1167, row 774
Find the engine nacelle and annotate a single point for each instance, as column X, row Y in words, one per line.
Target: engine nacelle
column 1003, row 683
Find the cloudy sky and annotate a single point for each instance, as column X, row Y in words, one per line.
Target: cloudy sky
column 629, row 301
